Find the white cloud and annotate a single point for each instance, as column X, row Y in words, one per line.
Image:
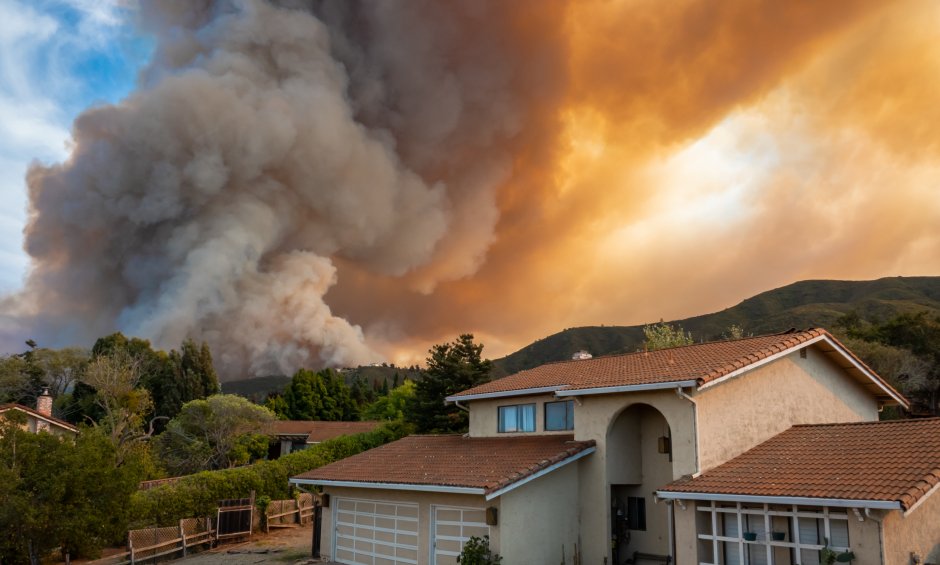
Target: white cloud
column 45, row 48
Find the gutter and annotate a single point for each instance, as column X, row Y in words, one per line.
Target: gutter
column 544, row 471
column 389, row 486
column 504, row 393
column 799, row 500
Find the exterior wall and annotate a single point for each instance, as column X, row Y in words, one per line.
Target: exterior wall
column 736, row 415
column 484, row 415
column 424, row 500
column 34, row 425
column 918, row 533
column 593, row 420
column 540, row 519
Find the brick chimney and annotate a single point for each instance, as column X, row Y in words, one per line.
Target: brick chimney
column 44, row 403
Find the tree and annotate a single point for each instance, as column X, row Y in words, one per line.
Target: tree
column 122, row 404
column 221, row 431
column 392, row 406
column 663, row 336
column 61, row 493
column 451, row 368
column 317, row 396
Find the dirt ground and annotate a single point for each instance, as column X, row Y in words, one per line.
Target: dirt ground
column 283, row 545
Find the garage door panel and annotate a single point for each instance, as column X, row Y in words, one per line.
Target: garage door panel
column 369, row 532
column 452, row 527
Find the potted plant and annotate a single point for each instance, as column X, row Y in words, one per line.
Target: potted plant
column 750, row 536
column 778, row 536
column 829, row 556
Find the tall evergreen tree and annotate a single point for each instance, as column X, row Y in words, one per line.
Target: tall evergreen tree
column 451, row 368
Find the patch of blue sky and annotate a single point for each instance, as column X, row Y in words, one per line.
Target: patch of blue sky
column 57, row 57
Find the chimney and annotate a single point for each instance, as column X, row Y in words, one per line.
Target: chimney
column 44, row 403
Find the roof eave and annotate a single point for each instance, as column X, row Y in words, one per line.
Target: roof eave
column 626, row 388
column 504, row 393
column 545, row 471
column 388, row 486
column 800, row 500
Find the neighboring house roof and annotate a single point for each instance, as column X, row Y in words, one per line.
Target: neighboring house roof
column 39, row 415
column 692, row 365
column 315, row 431
column 452, row 463
column 890, row 464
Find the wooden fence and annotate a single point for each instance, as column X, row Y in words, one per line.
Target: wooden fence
column 152, row 543
column 289, row 513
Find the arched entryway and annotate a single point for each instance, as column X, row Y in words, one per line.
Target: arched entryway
column 639, row 461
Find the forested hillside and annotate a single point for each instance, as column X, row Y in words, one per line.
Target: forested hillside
column 804, row 304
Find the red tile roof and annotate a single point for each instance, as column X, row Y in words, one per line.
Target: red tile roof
column 52, row 420
column 702, row 363
column 887, row 461
column 317, row 431
column 452, row 461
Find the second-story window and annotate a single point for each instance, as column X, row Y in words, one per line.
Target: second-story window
column 517, row 418
column 559, row 416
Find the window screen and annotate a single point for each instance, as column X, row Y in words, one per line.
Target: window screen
column 517, row 418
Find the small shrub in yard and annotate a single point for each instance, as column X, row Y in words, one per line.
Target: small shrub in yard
column 477, row 552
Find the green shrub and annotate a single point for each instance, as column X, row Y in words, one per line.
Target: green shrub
column 199, row 494
column 477, row 552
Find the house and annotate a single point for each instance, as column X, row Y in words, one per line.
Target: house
column 292, row 435
column 654, row 457
column 41, row 418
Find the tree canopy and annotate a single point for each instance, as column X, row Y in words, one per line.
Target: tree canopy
column 321, row 395
column 61, row 493
column 221, row 431
column 451, row 368
column 664, row 335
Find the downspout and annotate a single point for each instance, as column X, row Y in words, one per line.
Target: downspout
column 671, row 518
column 464, row 408
column 881, row 533
column 682, row 394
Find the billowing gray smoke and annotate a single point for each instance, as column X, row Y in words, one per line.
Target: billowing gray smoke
column 264, row 142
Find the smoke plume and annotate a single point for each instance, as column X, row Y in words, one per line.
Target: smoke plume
column 306, row 183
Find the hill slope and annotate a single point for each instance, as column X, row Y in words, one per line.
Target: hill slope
column 803, row 304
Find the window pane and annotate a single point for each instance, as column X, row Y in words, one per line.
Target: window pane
column 508, row 419
column 839, row 529
column 527, row 418
column 555, row 416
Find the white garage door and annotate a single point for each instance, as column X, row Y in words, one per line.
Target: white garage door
column 452, row 527
column 372, row 532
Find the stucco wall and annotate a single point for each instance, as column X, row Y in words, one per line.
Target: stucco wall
column 424, row 500
column 918, row 532
column 540, row 519
column 484, row 415
column 737, row 414
column 593, row 420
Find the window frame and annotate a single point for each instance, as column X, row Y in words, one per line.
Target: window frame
column 520, row 419
column 569, row 416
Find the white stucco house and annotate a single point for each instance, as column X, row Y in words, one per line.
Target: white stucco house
column 39, row 419
column 715, row 453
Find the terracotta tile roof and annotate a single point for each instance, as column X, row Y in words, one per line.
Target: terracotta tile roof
column 453, row 461
column 701, row 362
column 895, row 460
column 51, row 419
column 317, row 431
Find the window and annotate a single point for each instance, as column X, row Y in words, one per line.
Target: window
column 636, row 513
column 559, row 416
column 517, row 418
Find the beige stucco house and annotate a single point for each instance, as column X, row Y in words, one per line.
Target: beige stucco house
column 628, row 459
column 40, row 419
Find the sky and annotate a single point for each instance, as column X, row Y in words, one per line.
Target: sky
column 323, row 188
column 57, row 57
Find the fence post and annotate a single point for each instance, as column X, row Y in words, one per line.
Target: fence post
column 130, row 546
column 300, row 518
column 183, row 537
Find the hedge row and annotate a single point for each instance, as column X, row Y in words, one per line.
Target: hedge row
column 198, row 494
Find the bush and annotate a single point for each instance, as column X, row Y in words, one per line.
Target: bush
column 199, row 494
column 477, row 552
